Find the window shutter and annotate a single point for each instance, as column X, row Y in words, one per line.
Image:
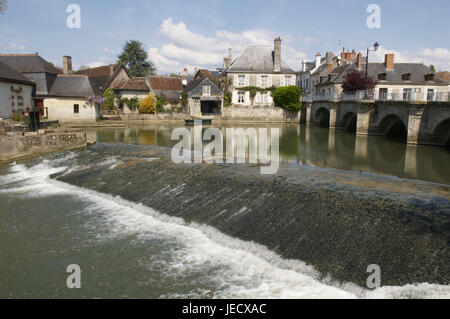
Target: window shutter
column 247, row 80
column 258, row 80
column 235, row 80
column 282, row 82
column 269, row 80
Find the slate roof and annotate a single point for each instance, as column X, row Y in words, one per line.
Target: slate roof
column 133, row 84
column 8, row 74
column 100, row 77
column 28, row 63
column 258, row 59
column 194, row 90
column 417, row 71
column 71, row 86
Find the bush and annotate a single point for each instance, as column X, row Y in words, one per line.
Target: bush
column 356, row 80
column 131, row 103
column 18, row 117
column 160, row 102
column 147, row 105
column 108, row 104
column 288, row 97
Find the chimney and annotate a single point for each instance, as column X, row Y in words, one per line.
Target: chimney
column 359, row 61
column 303, row 66
column 277, row 55
column 318, row 59
column 389, row 61
column 330, row 57
column 353, row 55
column 230, row 54
column 67, row 64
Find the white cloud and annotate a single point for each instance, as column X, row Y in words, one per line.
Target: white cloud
column 439, row 57
column 185, row 48
column 96, row 64
column 16, row 46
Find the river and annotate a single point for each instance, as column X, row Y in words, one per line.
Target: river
column 141, row 226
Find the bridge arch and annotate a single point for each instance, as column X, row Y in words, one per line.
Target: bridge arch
column 441, row 133
column 323, row 116
column 393, row 126
column 349, row 121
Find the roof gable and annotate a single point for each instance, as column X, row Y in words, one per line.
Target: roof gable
column 258, row 59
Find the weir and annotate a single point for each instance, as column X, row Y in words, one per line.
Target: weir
column 339, row 222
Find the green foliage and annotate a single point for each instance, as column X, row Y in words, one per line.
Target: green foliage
column 136, row 60
column 288, row 97
column 184, row 99
column 109, row 102
column 147, row 105
column 131, row 103
column 227, row 99
column 433, row 69
column 254, row 89
column 160, row 102
column 18, row 117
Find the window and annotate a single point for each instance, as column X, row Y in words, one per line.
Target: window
column 287, row 80
column 383, row 94
column 430, row 95
column 76, row 108
column 382, row 76
column 429, row 77
column 206, row 90
column 264, row 80
column 241, row 97
column 407, row 93
column 241, row 80
column 264, row 97
column 406, row 77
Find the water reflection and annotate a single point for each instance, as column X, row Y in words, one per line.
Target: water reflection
column 316, row 146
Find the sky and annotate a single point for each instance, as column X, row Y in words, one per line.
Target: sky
column 188, row 33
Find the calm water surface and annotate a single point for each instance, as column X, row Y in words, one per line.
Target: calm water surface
column 320, row 147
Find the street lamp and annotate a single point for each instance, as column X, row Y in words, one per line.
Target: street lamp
column 375, row 48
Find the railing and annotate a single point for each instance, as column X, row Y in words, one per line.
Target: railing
column 382, row 96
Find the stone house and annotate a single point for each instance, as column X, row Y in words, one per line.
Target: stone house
column 169, row 88
column 395, row 81
column 16, row 92
column 59, row 96
column 261, row 66
column 204, row 96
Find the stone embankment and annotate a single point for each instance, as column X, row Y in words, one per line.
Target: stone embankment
column 18, row 144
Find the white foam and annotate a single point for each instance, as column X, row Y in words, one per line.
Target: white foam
column 242, row 269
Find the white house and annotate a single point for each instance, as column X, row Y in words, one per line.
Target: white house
column 261, row 66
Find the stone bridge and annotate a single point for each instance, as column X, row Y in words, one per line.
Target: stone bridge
column 412, row 122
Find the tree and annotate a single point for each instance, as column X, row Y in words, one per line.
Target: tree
column 356, row 80
column 433, row 69
column 3, row 5
column 147, row 105
column 288, row 97
column 109, row 99
column 135, row 58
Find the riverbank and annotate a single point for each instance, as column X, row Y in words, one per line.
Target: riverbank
column 26, row 145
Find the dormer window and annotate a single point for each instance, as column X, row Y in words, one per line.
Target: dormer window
column 382, row 76
column 206, row 89
column 406, row 77
column 429, row 77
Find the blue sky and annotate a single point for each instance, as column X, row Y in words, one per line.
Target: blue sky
column 192, row 34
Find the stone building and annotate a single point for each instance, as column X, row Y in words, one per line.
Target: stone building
column 16, row 92
column 261, row 66
column 395, row 81
column 204, row 96
column 59, row 95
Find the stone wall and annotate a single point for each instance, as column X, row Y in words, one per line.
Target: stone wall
column 258, row 114
column 32, row 143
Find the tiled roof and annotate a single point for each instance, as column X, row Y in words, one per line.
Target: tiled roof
column 8, row 74
column 28, row 63
column 258, row 58
column 165, row 83
column 444, row 75
column 133, row 84
column 101, row 76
